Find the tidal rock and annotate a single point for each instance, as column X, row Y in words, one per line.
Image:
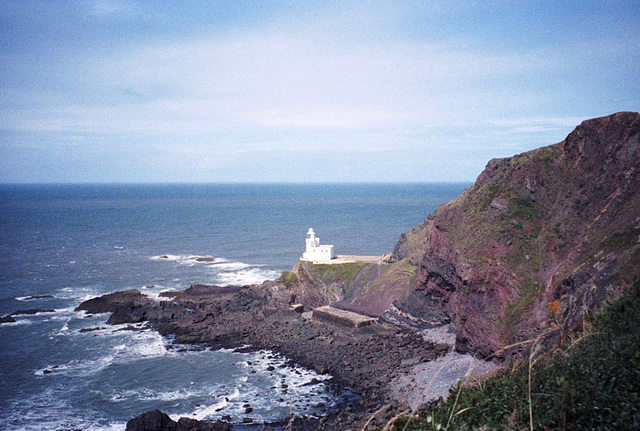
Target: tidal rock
column 187, row 424
column 205, row 259
column 112, row 301
column 7, row 319
column 158, row 421
column 32, row 297
column 31, row 311
column 152, row 421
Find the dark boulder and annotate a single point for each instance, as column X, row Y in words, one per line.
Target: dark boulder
column 152, row 421
column 187, row 424
column 30, row 311
column 112, row 301
column 7, row 319
column 32, row 297
column 158, row 421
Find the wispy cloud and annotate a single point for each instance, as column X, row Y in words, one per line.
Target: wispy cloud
column 279, row 81
column 335, row 79
column 109, row 8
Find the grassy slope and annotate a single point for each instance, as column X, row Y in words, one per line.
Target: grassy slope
column 591, row 381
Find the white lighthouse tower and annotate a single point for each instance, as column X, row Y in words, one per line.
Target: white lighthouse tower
column 316, row 252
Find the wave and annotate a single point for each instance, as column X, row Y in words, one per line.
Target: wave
column 33, row 297
column 271, row 388
column 231, row 266
column 225, row 272
column 189, row 259
column 246, row 276
column 28, row 413
column 78, row 294
column 133, row 346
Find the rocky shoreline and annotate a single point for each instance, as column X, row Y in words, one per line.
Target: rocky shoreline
column 362, row 361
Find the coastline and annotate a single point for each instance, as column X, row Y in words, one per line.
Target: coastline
column 362, row 362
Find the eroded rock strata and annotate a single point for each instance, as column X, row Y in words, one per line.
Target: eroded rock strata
column 541, row 238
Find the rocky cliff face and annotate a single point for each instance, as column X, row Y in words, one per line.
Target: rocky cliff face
column 538, row 240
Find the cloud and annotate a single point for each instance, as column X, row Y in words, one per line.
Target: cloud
column 266, row 79
column 109, row 8
column 344, row 79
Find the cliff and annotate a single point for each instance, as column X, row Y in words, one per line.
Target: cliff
column 364, row 288
column 538, row 240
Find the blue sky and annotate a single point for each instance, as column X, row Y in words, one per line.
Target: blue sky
column 299, row 91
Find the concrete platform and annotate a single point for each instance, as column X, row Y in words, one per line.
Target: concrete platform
column 342, row 317
column 341, row 259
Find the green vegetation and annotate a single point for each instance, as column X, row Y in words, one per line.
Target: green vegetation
column 486, row 195
column 341, row 272
column 546, row 156
column 624, row 239
column 288, row 278
column 530, row 291
column 592, row 381
column 521, row 208
column 402, row 271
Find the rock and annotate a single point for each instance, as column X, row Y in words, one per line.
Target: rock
column 31, row 311
column 158, row 421
column 7, row 319
column 205, row 259
column 342, row 317
column 83, row 330
column 130, row 328
column 152, row 421
column 321, row 369
column 298, row 308
column 187, row 424
column 112, row 301
column 32, row 297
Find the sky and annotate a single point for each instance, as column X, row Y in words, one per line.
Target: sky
column 301, row 91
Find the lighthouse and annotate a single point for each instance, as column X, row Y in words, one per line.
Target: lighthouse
column 314, row 251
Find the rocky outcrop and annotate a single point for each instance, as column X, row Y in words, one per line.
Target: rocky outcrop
column 158, row 421
column 112, row 301
column 31, row 311
column 364, row 288
column 538, row 240
column 7, row 319
column 363, row 359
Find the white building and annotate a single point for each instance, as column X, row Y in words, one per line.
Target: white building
column 316, row 252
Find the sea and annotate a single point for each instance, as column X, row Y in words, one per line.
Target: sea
column 63, row 244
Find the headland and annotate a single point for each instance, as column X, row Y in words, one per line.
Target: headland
column 506, row 272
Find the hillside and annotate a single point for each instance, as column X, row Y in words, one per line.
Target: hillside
column 538, row 240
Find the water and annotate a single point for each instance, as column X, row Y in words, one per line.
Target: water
column 74, row 242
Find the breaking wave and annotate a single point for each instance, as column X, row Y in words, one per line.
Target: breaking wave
column 223, row 272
